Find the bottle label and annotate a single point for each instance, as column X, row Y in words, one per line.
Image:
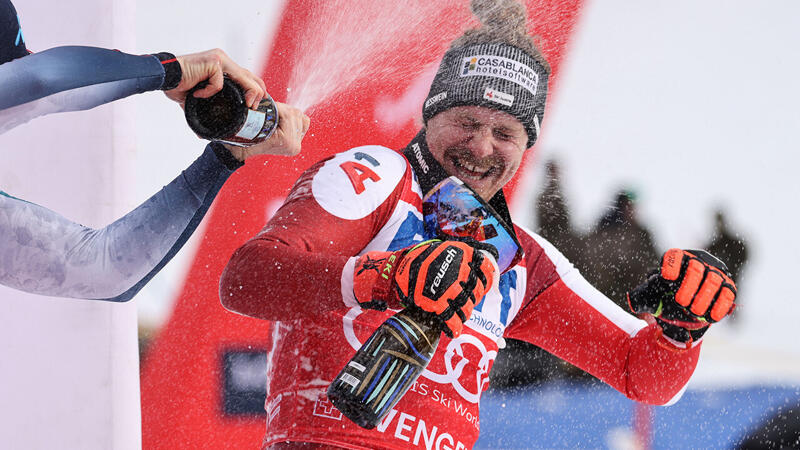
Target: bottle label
column 349, row 379
column 384, row 368
column 252, row 125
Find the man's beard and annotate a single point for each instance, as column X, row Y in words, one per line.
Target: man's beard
column 486, row 169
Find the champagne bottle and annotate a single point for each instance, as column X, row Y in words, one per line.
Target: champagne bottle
column 389, row 362
column 225, row 116
column 385, row 367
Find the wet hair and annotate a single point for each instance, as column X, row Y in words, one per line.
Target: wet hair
column 502, row 21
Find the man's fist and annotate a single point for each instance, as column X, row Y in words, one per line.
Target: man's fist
column 705, row 286
column 691, row 289
column 444, row 278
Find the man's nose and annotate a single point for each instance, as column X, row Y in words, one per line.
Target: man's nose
column 482, row 143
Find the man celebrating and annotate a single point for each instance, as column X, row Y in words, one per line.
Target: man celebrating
column 312, row 269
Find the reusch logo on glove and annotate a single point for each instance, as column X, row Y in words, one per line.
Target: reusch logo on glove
column 446, row 274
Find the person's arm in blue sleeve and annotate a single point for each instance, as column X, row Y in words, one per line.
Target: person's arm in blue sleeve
column 45, row 253
column 78, row 78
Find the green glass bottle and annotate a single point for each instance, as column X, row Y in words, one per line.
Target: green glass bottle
column 385, row 367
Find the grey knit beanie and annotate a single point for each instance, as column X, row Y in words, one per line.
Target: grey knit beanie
column 484, row 69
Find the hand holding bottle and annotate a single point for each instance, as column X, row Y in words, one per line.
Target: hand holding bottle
column 211, row 66
column 286, row 140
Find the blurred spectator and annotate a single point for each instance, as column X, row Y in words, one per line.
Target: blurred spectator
column 728, row 246
column 614, row 257
column 779, row 431
column 619, row 251
column 553, row 216
column 521, row 363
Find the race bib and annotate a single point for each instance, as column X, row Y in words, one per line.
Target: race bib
column 353, row 184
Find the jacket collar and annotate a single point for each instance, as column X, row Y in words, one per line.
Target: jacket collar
column 429, row 172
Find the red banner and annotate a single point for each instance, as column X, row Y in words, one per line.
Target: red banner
column 361, row 71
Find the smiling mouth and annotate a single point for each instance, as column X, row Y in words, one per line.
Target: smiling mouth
column 470, row 170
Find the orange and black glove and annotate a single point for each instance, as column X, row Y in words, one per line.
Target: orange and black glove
column 445, row 278
column 690, row 291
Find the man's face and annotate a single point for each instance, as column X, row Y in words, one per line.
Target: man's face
column 483, row 147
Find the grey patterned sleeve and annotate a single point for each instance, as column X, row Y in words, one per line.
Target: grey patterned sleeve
column 44, row 253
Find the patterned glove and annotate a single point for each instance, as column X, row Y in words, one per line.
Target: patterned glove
column 691, row 290
column 445, row 278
